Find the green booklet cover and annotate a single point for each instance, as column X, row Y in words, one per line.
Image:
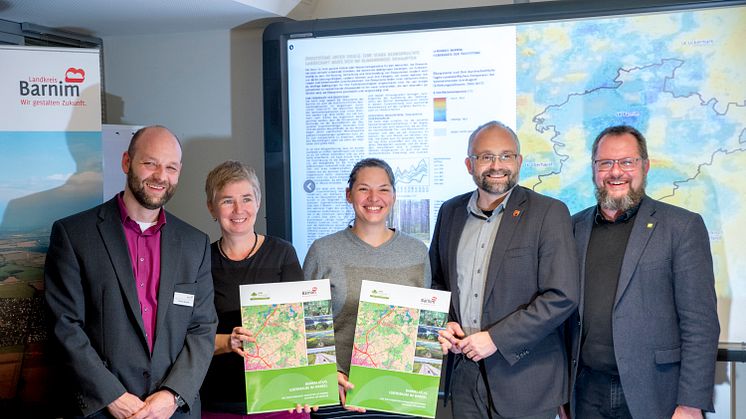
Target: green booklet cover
column 292, row 360
column 396, row 357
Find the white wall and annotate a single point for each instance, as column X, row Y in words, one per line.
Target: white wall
column 206, row 87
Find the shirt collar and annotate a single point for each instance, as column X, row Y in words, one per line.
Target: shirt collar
column 474, row 209
column 124, row 216
column 625, row 216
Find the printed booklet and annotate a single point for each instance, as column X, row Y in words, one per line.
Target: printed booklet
column 396, row 357
column 293, row 359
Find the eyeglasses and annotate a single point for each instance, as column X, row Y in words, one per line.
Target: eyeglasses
column 627, row 164
column 485, row 159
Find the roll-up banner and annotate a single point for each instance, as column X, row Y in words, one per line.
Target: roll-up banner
column 50, row 167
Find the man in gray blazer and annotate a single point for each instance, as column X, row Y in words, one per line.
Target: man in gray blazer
column 506, row 254
column 129, row 290
column 645, row 335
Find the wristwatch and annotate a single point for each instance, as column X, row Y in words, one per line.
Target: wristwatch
column 177, row 398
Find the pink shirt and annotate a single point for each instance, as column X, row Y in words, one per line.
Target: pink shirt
column 145, row 256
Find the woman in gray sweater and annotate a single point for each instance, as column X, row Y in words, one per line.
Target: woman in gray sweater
column 366, row 250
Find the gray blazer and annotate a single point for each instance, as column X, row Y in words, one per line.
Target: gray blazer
column 531, row 289
column 664, row 320
column 90, row 291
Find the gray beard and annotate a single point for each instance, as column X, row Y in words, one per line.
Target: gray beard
column 628, row 201
column 497, row 189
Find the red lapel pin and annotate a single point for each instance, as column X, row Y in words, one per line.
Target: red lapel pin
column 516, row 213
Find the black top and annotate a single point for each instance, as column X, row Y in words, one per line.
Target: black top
column 603, row 263
column 276, row 261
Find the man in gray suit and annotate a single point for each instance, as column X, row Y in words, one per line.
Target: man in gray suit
column 506, row 253
column 645, row 334
column 130, row 293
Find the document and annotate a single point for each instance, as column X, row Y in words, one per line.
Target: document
column 396, row 357
column 292, row 360
column 411, row 99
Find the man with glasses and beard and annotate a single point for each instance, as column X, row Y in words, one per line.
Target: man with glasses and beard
column 130, row 295
column 644, row 338
column 506, row 254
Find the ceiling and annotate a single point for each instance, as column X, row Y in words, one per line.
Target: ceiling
column 104, row 18
column 101, row 18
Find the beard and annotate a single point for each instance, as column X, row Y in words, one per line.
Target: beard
column 497, row 188
column 137, row 186
column 623, row 203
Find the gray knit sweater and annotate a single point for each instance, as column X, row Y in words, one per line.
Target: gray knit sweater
column 347, row 261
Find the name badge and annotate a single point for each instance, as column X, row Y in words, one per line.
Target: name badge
column 181, row 299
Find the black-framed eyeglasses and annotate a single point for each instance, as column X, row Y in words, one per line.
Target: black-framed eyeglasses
column 627, row 164
column 488, row 158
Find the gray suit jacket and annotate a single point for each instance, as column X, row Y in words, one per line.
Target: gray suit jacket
column 664, row 320
column 90, row 292
column 531, row 289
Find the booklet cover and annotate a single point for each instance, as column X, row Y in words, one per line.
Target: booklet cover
column 396, row 357
column 293, row 359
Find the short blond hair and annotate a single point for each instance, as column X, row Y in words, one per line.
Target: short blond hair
column 231, row 171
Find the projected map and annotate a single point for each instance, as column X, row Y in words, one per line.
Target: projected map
column 680, row 79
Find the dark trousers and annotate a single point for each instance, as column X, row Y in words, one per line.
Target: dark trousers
column 599, row 396
column 471, row 397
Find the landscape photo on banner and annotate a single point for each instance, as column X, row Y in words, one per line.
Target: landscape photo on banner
column 50, row 167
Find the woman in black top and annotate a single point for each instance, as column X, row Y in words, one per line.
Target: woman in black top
column 239, row 257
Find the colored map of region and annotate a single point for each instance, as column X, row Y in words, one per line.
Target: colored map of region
column 385, row 337
column 681, row 80
column 279, row 330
